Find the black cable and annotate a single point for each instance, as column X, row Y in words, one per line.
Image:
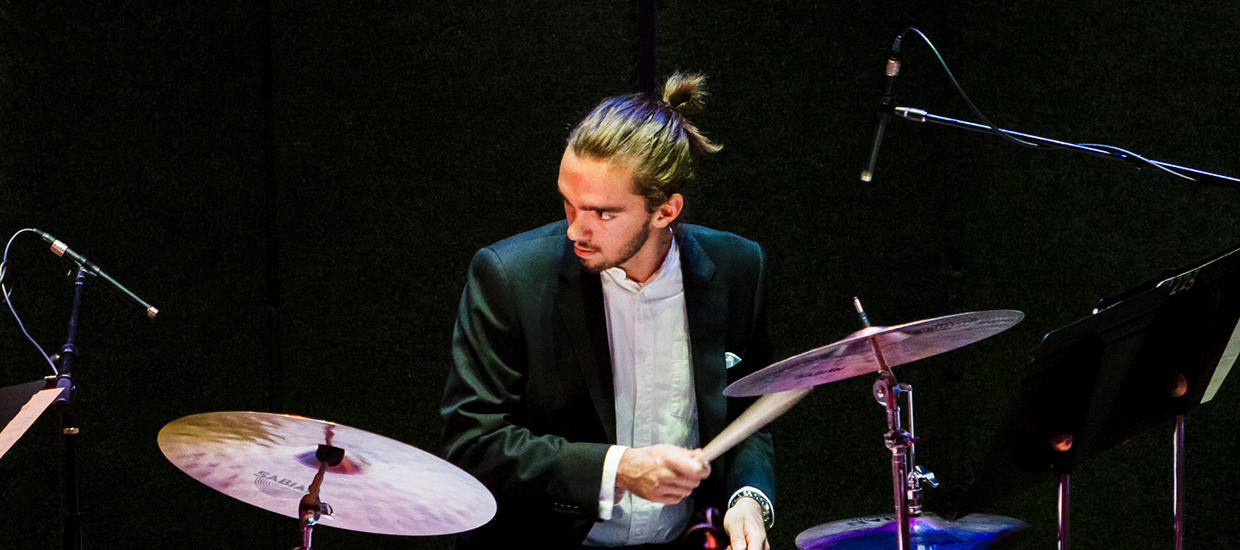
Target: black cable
column 6, row 297
column 1018, row 141
column 965, row 96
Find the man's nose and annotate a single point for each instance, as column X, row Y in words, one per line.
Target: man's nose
column 576, row 229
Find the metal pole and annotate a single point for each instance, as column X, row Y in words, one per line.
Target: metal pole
column 72, row 536
column 897, row 440
column 1064, row 503
column 1178, row 481
column 885, row 391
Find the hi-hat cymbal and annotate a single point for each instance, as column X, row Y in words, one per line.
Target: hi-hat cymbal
column 382, row 485
column 854, row 355
column 926, row 532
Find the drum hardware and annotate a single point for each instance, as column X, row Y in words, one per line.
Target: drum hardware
column 898, row 441
column 875, row 350
column 706, row 533
column 310, row 509
column 916, row 475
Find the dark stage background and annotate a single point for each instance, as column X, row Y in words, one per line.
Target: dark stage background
column 299, row 186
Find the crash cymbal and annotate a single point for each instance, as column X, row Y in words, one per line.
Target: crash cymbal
column 854, row 356
column 381, row 486
column 926, row 532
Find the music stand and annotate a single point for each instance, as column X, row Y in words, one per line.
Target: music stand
column 1145, row 357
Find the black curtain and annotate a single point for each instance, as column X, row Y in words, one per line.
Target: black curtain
column 299, row 186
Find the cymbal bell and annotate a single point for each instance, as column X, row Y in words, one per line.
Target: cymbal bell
column 382, row 485
column 855, row 355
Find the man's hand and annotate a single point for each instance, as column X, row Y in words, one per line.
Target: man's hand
column 744, row 525
column 661, row 473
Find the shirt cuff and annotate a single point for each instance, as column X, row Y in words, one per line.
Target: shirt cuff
column 768, row 511
column 607, row 491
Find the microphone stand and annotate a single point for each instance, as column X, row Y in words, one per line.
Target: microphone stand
column 1201, row 176
column 83, row 270
column 69, row 429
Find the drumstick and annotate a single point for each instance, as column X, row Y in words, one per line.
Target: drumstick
column 764, row 410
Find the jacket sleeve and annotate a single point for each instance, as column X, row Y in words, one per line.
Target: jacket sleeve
column 752, row 461
column 483, row 407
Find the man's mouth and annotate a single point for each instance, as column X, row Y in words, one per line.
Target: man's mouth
column 583, row 250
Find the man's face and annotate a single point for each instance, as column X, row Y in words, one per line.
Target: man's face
column 607, row 220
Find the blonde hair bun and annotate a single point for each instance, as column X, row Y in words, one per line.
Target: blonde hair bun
column 654, row 136
column 685, row 93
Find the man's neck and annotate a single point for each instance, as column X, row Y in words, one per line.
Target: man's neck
column 650, row 258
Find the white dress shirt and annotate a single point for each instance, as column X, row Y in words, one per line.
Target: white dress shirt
column 648, row 332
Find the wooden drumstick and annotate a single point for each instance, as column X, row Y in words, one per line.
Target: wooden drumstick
column 762, row 412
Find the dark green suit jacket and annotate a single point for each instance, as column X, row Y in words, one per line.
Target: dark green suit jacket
column 529, row 407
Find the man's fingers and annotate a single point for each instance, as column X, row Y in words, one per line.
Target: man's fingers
column 743, row 523
column 700, row 469
column 738, row 538
column 668, row 499
column 668, row 491
column 660, row 473
column 690, row 467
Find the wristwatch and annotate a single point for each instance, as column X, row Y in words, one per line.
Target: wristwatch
column 768, row 513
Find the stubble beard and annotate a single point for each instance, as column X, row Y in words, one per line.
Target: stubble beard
column 629, row 250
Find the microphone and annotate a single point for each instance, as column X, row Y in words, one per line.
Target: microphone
column 61, row 249
column 885, row 106
column 915, row 115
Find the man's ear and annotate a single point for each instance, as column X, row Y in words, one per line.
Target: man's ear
column 667, row 212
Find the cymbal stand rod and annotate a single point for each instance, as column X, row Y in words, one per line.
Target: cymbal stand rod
column 865, row 319
column 898, row 441
column 915, row 474
column 907, row 391
column 311, row 508
column 910, row 471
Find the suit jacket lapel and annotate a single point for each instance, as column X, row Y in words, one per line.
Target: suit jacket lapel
column 706, row 303
column 579, row 299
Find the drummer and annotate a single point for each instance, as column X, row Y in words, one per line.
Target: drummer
column 590, row 354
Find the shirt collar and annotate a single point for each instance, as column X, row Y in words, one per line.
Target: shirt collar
column 667, row 274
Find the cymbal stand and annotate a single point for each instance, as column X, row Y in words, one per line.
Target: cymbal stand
column 915, row 475
column 310, row 509
column 899, row 442
column 906, row 476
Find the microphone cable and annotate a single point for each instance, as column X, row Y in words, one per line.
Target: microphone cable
column 1005, row 134
column 965, row 96
column 6, row 295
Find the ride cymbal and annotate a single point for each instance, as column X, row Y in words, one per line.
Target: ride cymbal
column 854, row 355
column 382, row 485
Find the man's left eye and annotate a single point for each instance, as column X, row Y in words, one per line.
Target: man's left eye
column 605, row 216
